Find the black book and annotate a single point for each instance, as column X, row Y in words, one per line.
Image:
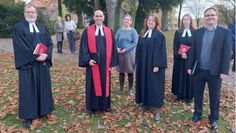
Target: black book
column 95, row 57
column 194, row 67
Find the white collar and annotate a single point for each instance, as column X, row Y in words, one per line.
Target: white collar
column 33, row 25
column 186, row 30
column 149, row 32
column 97, row 29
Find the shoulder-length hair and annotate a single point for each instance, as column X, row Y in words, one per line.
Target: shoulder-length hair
column 181, row 28
column 67, row 15
column 157, row 26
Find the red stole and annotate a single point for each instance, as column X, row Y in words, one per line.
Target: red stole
column 92, row 49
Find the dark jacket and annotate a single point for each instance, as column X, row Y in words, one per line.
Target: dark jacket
column 220, row 51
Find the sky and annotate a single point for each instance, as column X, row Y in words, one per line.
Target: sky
column 203, row 3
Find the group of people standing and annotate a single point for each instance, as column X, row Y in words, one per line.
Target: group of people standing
column 145, row 55
column 69, row 26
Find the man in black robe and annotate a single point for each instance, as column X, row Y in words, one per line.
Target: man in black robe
column 35, row 96
column 98, row 53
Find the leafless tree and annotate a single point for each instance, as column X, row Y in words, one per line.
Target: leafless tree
column 196, row 8
column 226, row 10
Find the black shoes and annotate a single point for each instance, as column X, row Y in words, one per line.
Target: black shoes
column 107, row 110
column 27, row 123
column 213, row 125
column 196, row 118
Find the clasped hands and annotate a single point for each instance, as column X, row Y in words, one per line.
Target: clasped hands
column 121, row 51
column 42, row 57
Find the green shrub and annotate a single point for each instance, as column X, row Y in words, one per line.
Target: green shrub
column 11, row 13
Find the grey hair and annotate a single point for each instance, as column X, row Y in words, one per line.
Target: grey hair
column 30, row 5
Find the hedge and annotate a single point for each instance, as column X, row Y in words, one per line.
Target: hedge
column 11, row 13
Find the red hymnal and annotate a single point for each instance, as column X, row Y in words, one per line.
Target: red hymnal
column 40, row 49
column 183, row 49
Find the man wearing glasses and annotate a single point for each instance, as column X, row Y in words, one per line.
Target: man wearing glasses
column 98, row 54
column 35, row 95
column 210, row 58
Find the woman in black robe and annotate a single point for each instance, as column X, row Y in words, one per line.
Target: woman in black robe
column 181, row 81
column 151, row 62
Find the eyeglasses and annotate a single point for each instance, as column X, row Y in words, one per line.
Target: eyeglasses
column 98, row 16
column 28, row 12
column 210, row 15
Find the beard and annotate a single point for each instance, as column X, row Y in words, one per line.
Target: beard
column 30, row 20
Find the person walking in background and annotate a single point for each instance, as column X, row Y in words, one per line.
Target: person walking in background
column 70, row 28
column 231, row 28
column 126, row 41
column 59, row 29
column 98, row 54
column 209, row 62
column 181, row 82
column 35, row 94
column 151, row 62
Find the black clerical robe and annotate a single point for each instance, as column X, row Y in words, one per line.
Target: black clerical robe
column 181, row 81
column 150, row 86
column 94, row 102
column 35, row 96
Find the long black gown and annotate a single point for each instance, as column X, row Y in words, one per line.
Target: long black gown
column 35, row 96
column 181, row 81
column 94, row 102
column 150, row 86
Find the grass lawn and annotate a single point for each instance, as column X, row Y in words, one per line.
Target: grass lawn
column 68, row 82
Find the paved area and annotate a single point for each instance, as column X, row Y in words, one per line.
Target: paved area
column 6, row 45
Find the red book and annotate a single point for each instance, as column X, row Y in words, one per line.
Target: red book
column 183, row 49
column 40, row 49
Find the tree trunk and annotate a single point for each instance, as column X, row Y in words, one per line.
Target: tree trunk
column 198, row 21
column 129, row 7
column 111, row 10
column 164, row 20
column 59, row 8
column 96, row 4
column 179, row 16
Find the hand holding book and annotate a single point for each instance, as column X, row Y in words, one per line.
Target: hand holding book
column 40, row 48
column 183, row 49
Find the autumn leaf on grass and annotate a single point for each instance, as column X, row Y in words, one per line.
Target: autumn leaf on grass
column 71, row 103
column 203, row 124
column 81, row 106
column 52, row 119
column 36, row 123
column 203, row 130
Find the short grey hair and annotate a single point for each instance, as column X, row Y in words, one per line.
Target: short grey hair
column 30, row 5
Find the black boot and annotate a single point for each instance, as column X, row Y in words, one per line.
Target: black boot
column 130, row 80
column 122, row 80
column 58, row 47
